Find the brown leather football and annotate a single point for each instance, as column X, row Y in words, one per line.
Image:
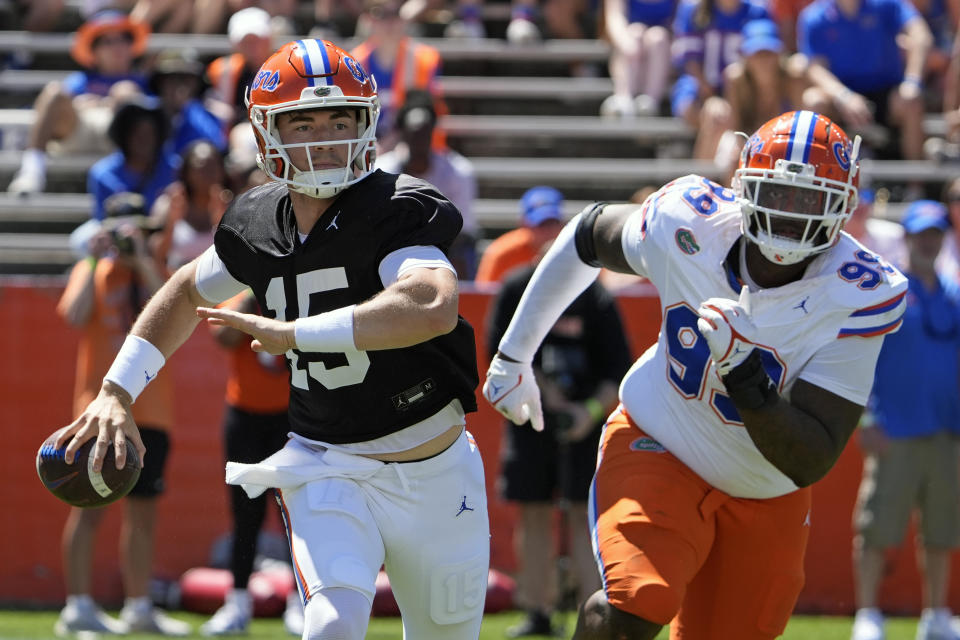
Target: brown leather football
column 77, row 484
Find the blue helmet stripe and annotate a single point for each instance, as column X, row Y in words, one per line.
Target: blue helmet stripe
column 305, row 56
column 319, row 64
column 801, row 136
column 326, row 60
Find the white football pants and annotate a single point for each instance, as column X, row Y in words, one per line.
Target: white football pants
column 426, row 521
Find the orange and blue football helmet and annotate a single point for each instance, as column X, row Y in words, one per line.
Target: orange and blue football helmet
column 797, row 185
column 313, row 74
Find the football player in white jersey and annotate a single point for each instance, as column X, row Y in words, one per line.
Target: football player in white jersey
column 772, row 322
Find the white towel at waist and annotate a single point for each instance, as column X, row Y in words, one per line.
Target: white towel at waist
column 296, row 464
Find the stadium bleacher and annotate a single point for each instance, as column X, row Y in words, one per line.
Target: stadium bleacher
column 538, row 127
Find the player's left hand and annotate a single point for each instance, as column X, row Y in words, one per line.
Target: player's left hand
column 513, row 391
column 728, row 330
column 273, row 336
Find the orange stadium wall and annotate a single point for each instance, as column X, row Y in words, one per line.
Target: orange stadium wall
column 36, row 383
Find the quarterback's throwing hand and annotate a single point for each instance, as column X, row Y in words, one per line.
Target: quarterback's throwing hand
column 512, row 390
column 273, row 336
column 728, row 329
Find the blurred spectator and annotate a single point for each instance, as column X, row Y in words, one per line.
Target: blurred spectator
column 578, row 369
column 445, row 169
column 857, row 67
column 254, row 427
column 398, row 63
column 166, row 16
column 191, row 207
column 542, row 211
column 909, row 438
column 531, row 21
column 35, row 15
column 285, row 18
column 760, row 86
column 697, row 94
column 883, row 237
column 467, row 22
column 640, row 55
column 177, row 79
column 334, row 19
column 141, row 164
column 948, row 262
column 240, row 162
column 566, row 19
column 105, row 292
column 251, row 38
column 941, row 17
column 764, row 83
column 522, row 28
column 73, row 116
column 948, row 147
column 785, row 14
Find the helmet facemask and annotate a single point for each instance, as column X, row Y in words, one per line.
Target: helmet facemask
column 790, row 212
column 276, row 157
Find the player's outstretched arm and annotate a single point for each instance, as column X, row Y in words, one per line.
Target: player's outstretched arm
column 589, row 241
column 419, row 306
column 164, row 324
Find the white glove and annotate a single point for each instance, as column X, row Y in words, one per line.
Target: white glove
column 512, row 390
column 728, row 329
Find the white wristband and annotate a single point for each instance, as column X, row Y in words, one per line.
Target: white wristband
column 330, row 332
column 136, row 364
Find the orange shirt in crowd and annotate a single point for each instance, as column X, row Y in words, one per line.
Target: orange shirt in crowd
column 257, row 382
column 511, row 250
column 112, row 316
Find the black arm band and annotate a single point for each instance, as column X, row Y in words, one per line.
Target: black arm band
column 583, row 237
column 748, row 384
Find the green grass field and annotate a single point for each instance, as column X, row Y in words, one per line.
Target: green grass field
column 22, row 625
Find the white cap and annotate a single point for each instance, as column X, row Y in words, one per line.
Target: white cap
column 249, row 21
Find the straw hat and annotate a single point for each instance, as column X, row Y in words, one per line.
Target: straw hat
column 107, row 22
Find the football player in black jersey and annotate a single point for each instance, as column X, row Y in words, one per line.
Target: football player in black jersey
column 350, row 265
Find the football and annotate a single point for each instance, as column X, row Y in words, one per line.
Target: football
column 78, row 484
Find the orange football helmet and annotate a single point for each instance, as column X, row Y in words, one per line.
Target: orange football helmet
column 797, row 185
column 313, row 74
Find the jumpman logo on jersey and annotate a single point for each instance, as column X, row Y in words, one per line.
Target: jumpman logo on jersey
column 803, row 305
column 464, row 507
column 148, row 377
column 333, row 224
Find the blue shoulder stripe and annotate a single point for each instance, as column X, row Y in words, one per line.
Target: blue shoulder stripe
column 867, row 332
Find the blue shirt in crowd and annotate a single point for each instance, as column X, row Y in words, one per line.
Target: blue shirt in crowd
column 110, row 175
column 862, row 52
column 651, row 12
column 716, row 44
column 93, row 82
column 193, row 123
column 915, row 391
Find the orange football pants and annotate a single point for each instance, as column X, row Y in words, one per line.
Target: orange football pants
column 674, row 548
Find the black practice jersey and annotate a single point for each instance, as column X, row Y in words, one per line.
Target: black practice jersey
column 361, row 395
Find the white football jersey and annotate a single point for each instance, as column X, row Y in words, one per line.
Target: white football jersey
column 680, row 239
